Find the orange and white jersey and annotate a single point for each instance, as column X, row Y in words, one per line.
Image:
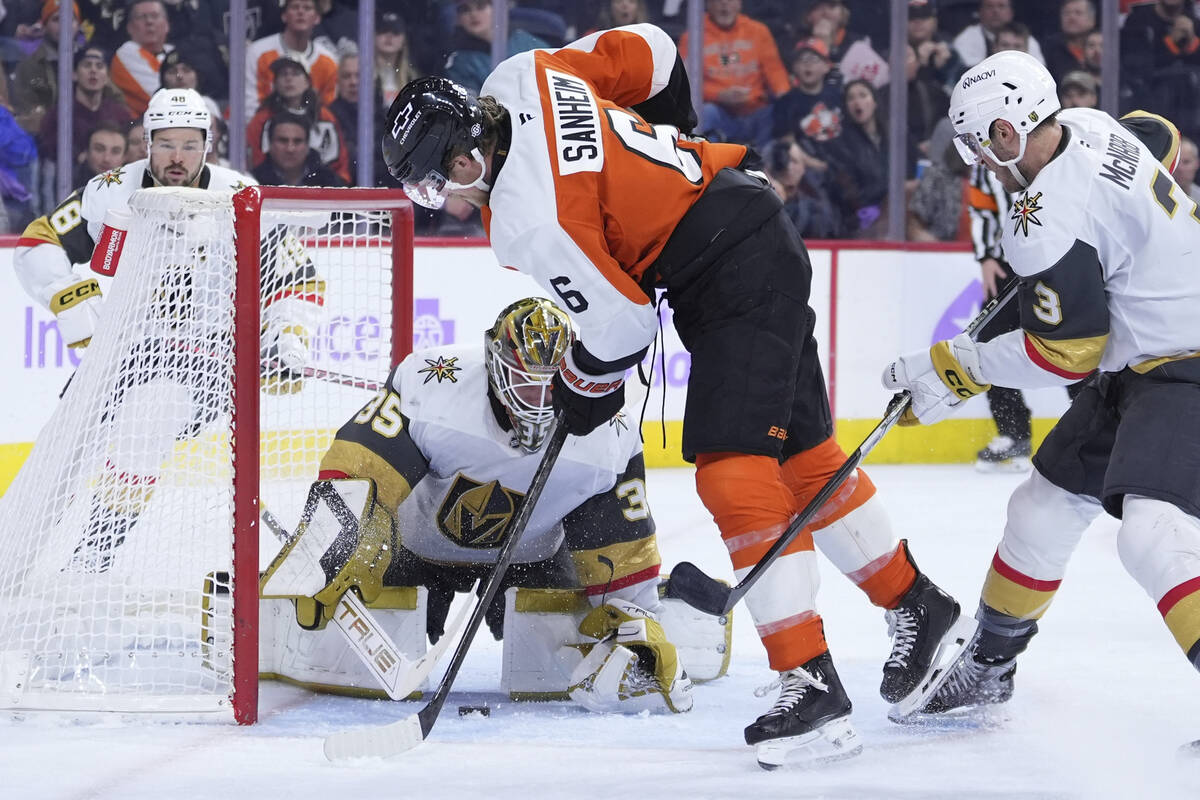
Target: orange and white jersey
column 135, row 72
column 262, row 53
column 589, row 192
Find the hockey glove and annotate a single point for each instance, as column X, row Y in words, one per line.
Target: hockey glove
column 587, row 401
column 284, row 356
column 76, row 302
column 939, row 378
column 632, row 668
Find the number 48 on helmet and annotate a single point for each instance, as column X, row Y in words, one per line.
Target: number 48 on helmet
column 431, row 119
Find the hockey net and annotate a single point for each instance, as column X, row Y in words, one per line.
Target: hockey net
column 130, row 540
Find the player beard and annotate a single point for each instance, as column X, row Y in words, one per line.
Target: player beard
column 176, row 174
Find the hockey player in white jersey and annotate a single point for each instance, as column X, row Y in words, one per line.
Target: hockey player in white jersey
column 1104, row 244
column 449, row 446
column 66, row 260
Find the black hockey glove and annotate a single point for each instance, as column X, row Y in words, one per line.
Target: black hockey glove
column 587, row 401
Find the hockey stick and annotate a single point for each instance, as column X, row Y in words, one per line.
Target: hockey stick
column 691, row 585
column 399, row 737
column 341, row 379
column 398, row 676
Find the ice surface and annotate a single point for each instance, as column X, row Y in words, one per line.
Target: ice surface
column 1103, row 699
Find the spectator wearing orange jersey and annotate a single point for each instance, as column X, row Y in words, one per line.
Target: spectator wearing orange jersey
column 742, row 74
column 137, row 62
column 293, row 96
column 300, row 18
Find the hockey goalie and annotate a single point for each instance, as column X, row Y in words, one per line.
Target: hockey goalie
column 415, row 497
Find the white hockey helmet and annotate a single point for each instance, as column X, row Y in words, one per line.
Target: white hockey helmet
column 177, row 108
column 1010, row 85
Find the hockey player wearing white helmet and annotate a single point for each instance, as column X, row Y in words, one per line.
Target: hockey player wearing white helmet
column 54, row 263
column 1103, row 242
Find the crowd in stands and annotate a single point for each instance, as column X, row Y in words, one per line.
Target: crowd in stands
column 803, row 81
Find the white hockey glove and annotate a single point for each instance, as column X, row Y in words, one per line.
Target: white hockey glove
column 75, row 301
column 939, row 378
column 284, row 356
column 632, row 668
column 345, row 539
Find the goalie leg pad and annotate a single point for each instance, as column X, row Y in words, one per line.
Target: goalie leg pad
column 321, row 660
column 345, row 539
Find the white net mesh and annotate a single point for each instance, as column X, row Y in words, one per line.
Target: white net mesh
column 116, row 538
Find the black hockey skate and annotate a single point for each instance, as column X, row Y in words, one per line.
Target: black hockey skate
column 972, row 682
column 1005, row 454
column 809, row 723
column 928, row 633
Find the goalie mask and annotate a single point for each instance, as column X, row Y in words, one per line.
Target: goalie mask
column 430, row 119
column 522, row 350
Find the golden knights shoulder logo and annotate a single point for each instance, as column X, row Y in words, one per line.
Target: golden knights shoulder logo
column 477, row 514
column 1023, row 211
column 116, row 175
column 443, row 369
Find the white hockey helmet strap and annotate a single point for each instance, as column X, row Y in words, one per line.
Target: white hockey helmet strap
column 177, row 108
column 1010, row 86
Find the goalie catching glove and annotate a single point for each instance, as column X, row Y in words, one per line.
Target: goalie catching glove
column 939, row 378
column 632, row 667
column 345, row 539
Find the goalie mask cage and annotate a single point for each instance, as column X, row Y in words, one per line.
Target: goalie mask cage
column 129, row 541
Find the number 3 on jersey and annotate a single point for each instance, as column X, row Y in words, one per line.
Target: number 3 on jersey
column 656, row 143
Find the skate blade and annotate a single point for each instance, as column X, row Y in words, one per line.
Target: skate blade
column 834, row 741
column 953, row 646
column 1008, row 466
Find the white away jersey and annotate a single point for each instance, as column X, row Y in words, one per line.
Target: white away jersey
column 459, row 509
column 1105, row 243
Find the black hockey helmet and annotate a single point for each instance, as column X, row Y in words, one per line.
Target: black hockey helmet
column 428, row 119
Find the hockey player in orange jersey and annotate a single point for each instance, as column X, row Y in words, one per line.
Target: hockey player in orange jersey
column 580, row 161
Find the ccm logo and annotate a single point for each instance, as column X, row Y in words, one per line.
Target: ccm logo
column 585, row 386
column 957, row 383
column 80, row 291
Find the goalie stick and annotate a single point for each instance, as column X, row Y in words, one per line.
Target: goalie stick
column 712, row 596
column 398, row 676
column 399, row 737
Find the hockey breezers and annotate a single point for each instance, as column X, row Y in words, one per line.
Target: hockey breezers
column 399, row 737
column 691, row 585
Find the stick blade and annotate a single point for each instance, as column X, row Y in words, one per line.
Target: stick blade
column 689, row 584
column 375, row 741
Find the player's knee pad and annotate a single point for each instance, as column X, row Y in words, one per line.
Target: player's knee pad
column 1159, row 544
column 1044, row 526
column 345, row 539
column 807, row 472
column 743, row 492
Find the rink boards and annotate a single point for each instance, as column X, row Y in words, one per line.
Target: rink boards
column 872, row 302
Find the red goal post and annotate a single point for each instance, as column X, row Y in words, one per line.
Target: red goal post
column 249, row 206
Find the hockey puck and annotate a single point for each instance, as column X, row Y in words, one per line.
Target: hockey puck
column 483, row 711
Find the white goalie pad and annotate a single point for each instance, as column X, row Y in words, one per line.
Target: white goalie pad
column 543, row 646
column 321, row 660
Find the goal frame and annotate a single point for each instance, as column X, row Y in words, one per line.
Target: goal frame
column 248, row 205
